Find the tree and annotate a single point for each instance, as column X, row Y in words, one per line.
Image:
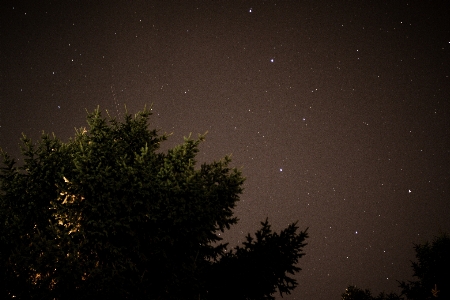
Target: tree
column 258, row 269
column 355, row 293
column 108, row 214
column 432, row 270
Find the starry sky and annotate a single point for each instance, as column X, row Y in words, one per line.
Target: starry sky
column 337, row 112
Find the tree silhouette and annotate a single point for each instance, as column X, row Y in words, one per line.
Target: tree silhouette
column 258, row 269
column 355, row 293
column 432, row 270
column 108, row 214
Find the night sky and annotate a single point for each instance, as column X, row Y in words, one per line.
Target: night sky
column 337, row 113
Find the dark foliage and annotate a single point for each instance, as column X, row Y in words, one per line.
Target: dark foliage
column 109, row 215
column 432, row 271
column 260, row 267
column 431, row 268
column 354, row 293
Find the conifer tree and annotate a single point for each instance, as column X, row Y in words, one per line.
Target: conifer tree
column 431, row 269
column 109, row 215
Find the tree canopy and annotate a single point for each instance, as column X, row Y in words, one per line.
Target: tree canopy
column 108, row 214
column 431, row 270
column 355, row 293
